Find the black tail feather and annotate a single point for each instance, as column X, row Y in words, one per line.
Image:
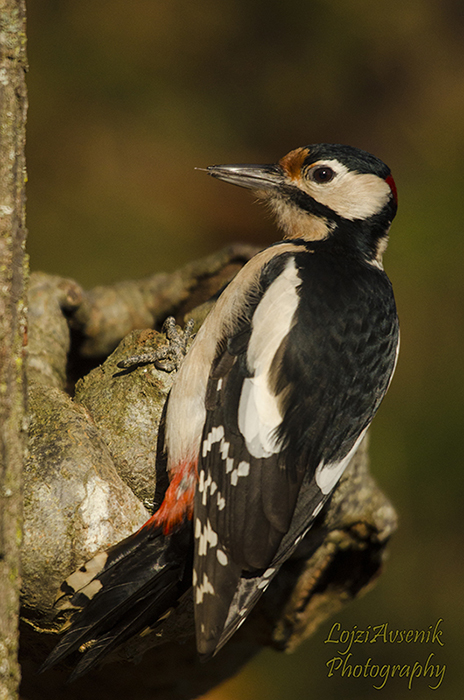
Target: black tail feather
column 142, row 578
column 145, row 612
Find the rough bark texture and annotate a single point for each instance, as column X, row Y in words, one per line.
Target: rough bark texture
column 91, row 474
column 13, row 269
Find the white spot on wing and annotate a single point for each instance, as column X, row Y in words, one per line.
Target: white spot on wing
column 243, row 469
column 206, row 536
column 258, row 414
column 224, row 449
column 203, row 588
column 197, row 528
column 207, row 487
column 215, row 435
column 222, row 557
column 266, row 578
column 263, row 584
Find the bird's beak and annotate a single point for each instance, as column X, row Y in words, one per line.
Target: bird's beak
column 254, row 177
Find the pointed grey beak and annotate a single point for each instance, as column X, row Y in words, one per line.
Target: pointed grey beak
column 253, row 177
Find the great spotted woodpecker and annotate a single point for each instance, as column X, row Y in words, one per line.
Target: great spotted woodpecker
column 269, row 406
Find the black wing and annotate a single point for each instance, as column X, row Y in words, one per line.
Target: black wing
column 288, row 401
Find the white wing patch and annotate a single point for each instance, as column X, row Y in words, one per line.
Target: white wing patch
column 258, row 413
column 327, row 475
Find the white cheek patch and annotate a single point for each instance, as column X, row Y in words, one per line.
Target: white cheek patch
column 258, row 414
column 350, row 194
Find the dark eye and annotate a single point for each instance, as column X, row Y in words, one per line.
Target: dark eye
column 322, row 174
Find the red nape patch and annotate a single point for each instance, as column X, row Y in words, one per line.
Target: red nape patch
column 177, row 504
column 390, row 181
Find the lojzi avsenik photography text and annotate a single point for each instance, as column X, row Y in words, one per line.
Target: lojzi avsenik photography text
column 342, row 664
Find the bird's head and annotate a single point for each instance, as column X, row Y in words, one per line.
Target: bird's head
column 324, row 192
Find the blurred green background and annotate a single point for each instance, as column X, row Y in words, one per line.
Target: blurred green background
column 127, row 98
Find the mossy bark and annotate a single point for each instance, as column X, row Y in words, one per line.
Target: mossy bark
column 13, row 271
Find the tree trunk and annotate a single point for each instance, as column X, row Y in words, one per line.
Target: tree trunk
column 13, row 271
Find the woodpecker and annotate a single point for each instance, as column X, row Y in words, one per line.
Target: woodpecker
column 270, row 404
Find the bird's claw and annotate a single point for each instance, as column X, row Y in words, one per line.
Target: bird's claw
column 168, row 357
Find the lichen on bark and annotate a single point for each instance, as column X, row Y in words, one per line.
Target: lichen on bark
column 13, row 273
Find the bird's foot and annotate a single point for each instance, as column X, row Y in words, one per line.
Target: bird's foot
column 168, row 357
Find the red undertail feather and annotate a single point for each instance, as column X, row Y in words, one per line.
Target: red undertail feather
column 177, row 504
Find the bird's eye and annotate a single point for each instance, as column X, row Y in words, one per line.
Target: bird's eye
column 322, row 174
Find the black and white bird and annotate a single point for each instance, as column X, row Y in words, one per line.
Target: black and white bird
column 269, row 406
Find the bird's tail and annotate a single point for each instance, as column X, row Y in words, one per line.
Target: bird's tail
column 121, row 592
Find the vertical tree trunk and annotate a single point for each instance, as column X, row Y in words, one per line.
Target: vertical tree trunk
column 13, row 270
